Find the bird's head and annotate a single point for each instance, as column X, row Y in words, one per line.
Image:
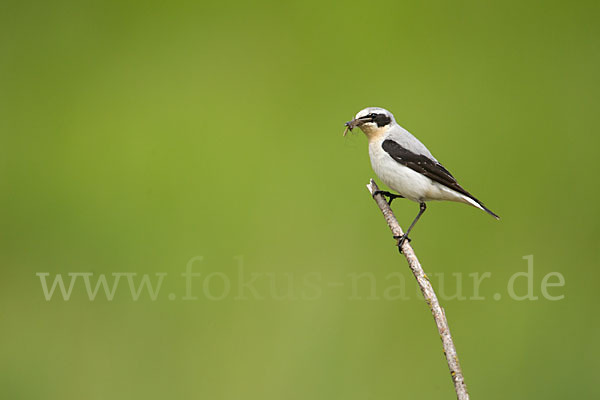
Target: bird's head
column 373, row 121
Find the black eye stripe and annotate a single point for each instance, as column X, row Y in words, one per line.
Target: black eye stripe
column 381, row 120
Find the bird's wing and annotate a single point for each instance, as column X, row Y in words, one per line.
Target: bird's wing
column 423, row 165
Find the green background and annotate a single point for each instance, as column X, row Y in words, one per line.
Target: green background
column 138, row 135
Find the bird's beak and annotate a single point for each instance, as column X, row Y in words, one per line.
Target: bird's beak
column 353, row 124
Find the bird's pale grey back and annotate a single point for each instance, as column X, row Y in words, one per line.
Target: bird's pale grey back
column 405, row 139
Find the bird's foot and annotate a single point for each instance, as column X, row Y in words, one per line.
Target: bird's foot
column 401, row 239
column 390, row 196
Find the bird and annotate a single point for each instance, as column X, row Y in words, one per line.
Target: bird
column 406, row 166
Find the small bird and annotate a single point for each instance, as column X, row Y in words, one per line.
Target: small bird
column 405, row 165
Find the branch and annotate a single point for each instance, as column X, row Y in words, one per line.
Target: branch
column 428, row 293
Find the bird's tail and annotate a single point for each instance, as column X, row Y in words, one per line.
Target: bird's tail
column 476, row 203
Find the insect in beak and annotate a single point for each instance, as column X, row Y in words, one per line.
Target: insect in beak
column 351, row 125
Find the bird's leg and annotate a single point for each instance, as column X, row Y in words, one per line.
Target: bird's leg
column 403, row 238
column 391, row 196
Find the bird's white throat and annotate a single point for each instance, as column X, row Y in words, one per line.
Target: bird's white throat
column 372, row 131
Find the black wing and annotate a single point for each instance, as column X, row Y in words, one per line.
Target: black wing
column 428, row 167
column 424, row 165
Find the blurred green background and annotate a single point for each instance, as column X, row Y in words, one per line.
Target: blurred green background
column 138, row 135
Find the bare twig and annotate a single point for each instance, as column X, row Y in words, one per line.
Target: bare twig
column 428, row 293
